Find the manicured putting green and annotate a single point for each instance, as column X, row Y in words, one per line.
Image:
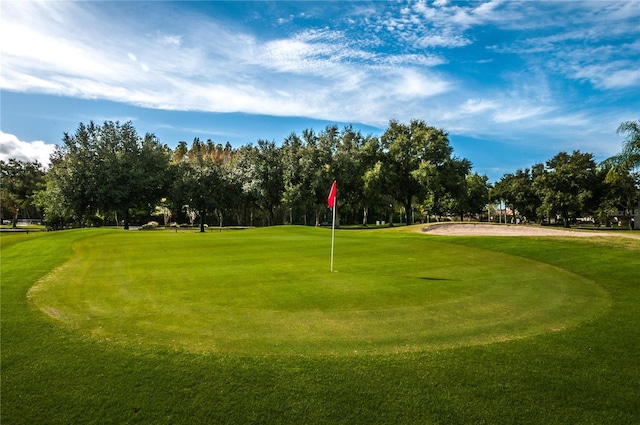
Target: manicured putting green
column 269, row 292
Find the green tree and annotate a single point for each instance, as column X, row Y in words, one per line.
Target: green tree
column 74, row 174
column 199, row 183
column 295, row 177
column 620, row 194
column 19, row 180
column 416, row 155
column 448, row 186
column 132, row 171
column 373, row 193
column 622, row 177
column 52, row 203
column 502, row 191
column 108, row 168
column 629, row 157
column 258, row 170
column 566, row 186
column 475, row 197
column 270, row 178
column 518, row 192
column 348, row 167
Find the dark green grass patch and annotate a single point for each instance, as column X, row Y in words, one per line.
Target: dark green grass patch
column 54, row 372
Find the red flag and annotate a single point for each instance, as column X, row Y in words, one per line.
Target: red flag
column 331, row 200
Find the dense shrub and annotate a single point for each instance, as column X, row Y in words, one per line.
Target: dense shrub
column 95, row 221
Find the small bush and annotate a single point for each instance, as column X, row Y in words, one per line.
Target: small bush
column 95, row 221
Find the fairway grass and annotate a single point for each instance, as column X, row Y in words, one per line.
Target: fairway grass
column 268, row 292
column 249, row 327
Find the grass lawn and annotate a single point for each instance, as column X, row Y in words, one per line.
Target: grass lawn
column 107, row 326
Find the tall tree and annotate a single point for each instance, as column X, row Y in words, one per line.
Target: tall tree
column 52, row 203
column 372, row 182
column 260, row 174
column 74, row 174
column 270, row 176
column 474, row 197
column 623, row 170
column 518, row 192
column 620, row 193
column 348, row 168
column 242, row 172
column 19, row 180
column 108, row 168
column 293, row 174
column 629, row 157
column 199, row 183
column 408, row 149
column 566, row 187
column 132, row 171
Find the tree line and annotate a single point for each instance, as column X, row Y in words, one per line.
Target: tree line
column 109, row 174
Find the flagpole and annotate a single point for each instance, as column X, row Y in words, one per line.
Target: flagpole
column 331, row 202
column 333, row 233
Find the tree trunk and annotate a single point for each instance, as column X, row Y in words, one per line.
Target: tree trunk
column 407, row 211
column 126, row 219
column 365, row 214
column 203, row 216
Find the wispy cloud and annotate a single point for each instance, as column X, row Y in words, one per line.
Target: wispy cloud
column 208, row 68
column 614, row 75
column 597, row 43
column 492, row 68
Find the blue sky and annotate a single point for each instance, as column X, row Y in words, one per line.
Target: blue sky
column 512, row 82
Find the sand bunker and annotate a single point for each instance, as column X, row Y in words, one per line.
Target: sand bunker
column 471, row 229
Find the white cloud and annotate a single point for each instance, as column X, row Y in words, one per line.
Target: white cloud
column 320, row 73
column 597, row 42
column 12, row 147
column 392, row 68
column 509, row 113
column 613, row 75
column 442, row 38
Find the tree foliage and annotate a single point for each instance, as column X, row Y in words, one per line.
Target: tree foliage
column 629, row 158
column 19, row 180
column 417, row 162
column 566, row 186
column 108, row 170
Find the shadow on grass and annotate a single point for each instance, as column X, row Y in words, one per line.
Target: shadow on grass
column 438, row 278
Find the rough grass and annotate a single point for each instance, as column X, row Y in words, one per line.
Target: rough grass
column 56, row 372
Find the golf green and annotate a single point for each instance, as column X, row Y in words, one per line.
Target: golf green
column 269, row 292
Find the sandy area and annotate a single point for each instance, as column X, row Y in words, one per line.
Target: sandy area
column 471, row 229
